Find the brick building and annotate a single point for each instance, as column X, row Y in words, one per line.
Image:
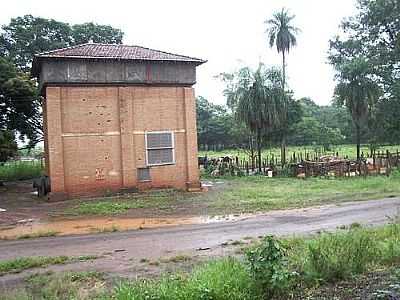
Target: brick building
column 118, row 117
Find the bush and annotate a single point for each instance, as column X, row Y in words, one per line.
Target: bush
column 20, row 170
column 336, row 256
column 268, row 266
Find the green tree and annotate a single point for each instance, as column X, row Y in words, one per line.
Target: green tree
column 214, row 123
column 20, row 40
column 26, row 36
column 90, row 32
column 374, row 33
column 260, row 103
column 8, row 146
column 282, row 34
column 19, row 104
column 358, row 91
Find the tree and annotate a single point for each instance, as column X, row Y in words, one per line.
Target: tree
column 90, row 32
column 260, row 102
column 20, row 40
column 214, row 123
column 19, row 104
column 28, row 35
column 25, row 36
column 8, row 146
column 373, row 33
column 357, row 90
column 282, row 34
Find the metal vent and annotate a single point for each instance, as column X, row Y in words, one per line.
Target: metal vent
column 143, row 174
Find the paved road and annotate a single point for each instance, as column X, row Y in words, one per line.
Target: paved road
column 152, row 243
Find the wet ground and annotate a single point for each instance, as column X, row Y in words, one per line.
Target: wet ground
column 22, row 213
column 121, row 253
column 30, row 227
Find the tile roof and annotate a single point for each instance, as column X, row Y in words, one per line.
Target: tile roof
column 117, row 51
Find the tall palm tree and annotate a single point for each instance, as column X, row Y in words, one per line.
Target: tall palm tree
column 258, row 95
column 358, row 91
column 282, row 34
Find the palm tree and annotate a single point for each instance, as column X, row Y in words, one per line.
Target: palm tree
column 258, row 95
column 282, row 34
column 358, row 91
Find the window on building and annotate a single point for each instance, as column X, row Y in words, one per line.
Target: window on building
column 160, row 148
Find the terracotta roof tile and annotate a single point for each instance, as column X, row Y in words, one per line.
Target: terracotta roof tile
column 115, row 51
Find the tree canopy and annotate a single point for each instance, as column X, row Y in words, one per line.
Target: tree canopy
column 26, row 36
column 20, row 40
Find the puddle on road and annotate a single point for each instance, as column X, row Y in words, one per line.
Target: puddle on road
column 95, row 225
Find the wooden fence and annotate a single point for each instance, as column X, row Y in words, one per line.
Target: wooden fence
column 305, row 165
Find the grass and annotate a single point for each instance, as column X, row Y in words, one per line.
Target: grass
column 176, row 259
column 113, row 228
column 342, row 150
column 221, row 279
column 249, row 194
column 33, row 235
column 316, row 260
column 161, row 200
column 37, row 235
column 20, row 170
column 315, row 265
column 70, row 285
column 25, row 263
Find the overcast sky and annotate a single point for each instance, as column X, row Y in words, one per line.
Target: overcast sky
column 227, row 33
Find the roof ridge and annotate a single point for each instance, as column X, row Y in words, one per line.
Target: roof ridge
column 105, row 50
column 131, row 46
column 170, row 53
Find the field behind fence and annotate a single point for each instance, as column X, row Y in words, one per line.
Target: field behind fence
column 303, row 162
column 343, row 151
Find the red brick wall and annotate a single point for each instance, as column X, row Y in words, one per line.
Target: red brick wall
column 96, row 141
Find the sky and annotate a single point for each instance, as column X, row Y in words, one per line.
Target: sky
column 228, row 33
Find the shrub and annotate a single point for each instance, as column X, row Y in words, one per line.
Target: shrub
column 389, row 243
column 268, row 266
column 336, row 256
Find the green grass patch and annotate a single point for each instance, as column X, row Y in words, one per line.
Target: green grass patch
column 20, row 170
column 257, row 193
column 69, row 285
column 249, row 194
column 25, row 263
column 160, row 200
column 223, row 279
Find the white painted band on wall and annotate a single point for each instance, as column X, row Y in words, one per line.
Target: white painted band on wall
column 70, row 134
column 174, row 131
column 90, row 134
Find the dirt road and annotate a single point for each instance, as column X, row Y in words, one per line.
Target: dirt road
column 120, row 249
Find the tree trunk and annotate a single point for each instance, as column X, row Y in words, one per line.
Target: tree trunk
column 259, row 149
column 283, row 151
column 358, row 140
column 283, row 142
column 283, row 71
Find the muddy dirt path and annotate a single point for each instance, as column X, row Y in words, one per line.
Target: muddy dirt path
column 151, row 243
